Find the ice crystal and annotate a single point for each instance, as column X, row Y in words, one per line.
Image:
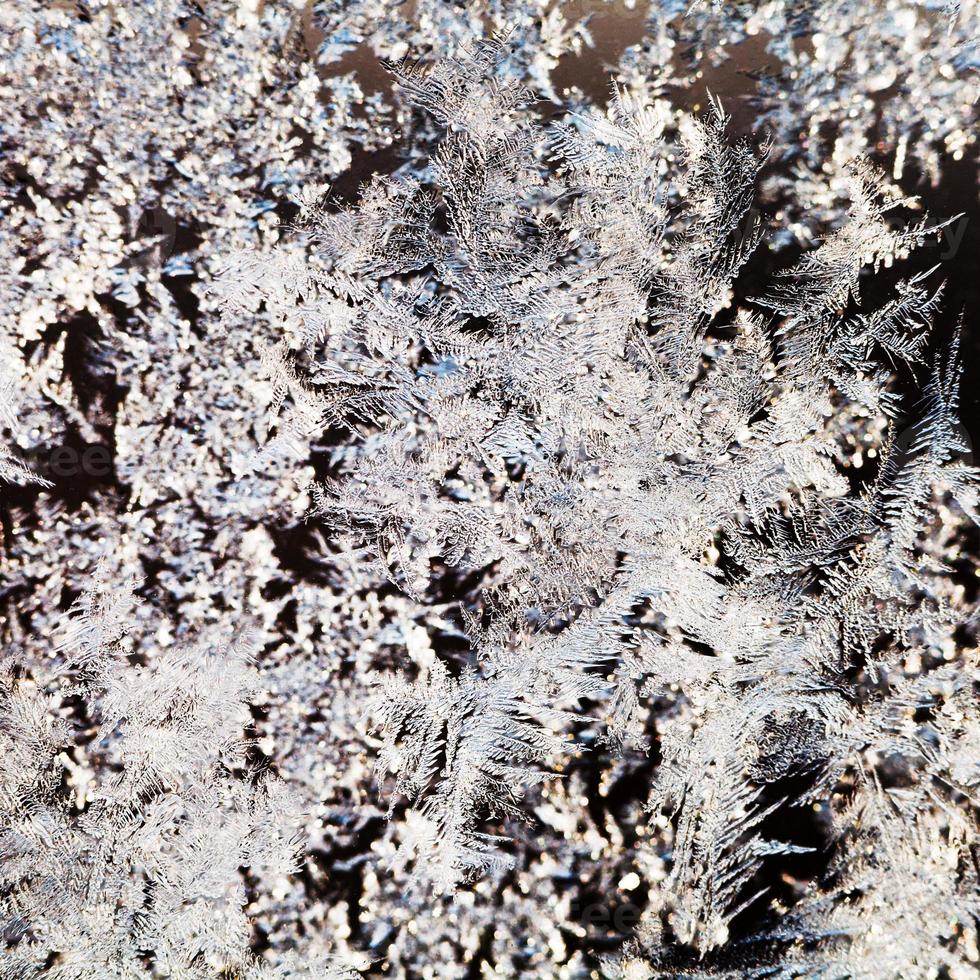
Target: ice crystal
column 651, row 484
column 455, row 394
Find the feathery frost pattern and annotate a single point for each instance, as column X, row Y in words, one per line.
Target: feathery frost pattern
column 148, row 872
column 535, row 353
column 491, row 514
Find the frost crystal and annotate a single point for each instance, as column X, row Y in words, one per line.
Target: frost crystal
column 486, row 489
column 535, row 349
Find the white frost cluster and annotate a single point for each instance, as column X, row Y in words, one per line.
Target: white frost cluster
column 469, row 507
